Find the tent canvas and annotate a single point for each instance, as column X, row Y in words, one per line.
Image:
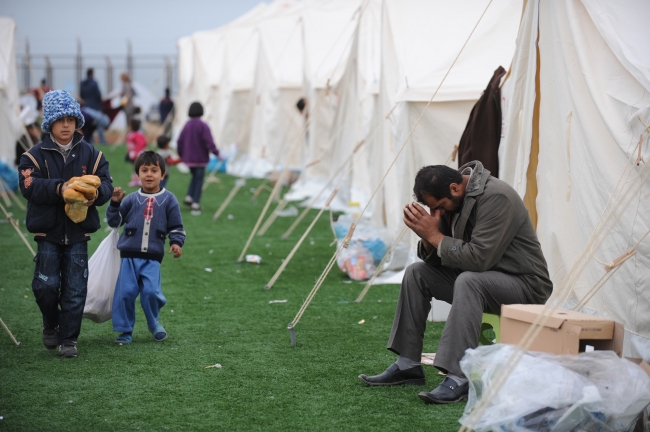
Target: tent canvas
column 10, row 125
column 593, row 99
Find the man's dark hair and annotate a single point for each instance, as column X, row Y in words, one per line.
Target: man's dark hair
column 135, row 125
column 90, row 72
column 196, row 110
column 163, row 141
column 301, row 104
column 167, row 92
column 149, row 158
column 434, row 180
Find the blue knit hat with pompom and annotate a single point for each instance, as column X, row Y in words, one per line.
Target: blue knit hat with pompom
column 57, row 104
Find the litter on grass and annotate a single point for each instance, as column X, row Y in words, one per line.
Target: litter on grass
column 214, row 366
column 428, row 358
column 230, row 217
column 240, row 182
column 256, row 259
column 362, row 321
column 211, row 251
column 277, row 301
column 289, row 212
column 209, row 270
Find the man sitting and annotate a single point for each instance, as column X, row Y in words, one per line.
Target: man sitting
column 480, row 251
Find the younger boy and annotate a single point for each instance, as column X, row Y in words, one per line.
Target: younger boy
column 166, row 153
column 136, row 143
column 61, row 274
column 149, row 215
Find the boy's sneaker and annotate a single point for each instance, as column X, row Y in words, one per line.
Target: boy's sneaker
column 195, row 209
column 68, row 351
column 188, row 200
column 158, row 332
column 50, row 337
column 124, row 338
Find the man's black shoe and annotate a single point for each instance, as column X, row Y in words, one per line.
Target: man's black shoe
column 394, row 376
column 447, row 392
column 50, row 337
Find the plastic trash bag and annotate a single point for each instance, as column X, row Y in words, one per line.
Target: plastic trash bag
column 356, row 261
column 595, row 391
column 367, row 247
column 103, row 269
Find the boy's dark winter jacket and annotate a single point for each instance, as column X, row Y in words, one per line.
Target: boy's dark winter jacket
column 42, row 172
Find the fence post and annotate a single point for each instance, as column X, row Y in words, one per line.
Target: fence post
column 169, row 73
column 27, row 67
column 109, row 75
column 49, row 75
column 78, row 67
column 129, row 59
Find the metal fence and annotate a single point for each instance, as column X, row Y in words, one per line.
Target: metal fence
column 55, row 68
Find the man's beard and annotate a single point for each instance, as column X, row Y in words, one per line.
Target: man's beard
column 458, row 204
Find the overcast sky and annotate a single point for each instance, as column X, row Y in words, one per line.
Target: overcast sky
column 103, row 26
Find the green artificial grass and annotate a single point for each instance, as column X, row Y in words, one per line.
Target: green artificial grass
column 224, row 317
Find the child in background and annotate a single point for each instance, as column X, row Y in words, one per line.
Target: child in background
column 150, row 215
column 195, row 144
column 166, row 153
column 60, row 282
column 136, row 143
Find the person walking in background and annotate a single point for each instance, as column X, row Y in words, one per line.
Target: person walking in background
column 136, row 143
column 60, row 281
column 39, row 93
column 195, row 144
column 150, row 215
column 127, row 94
column 168, row 156
column 165, row 107
column 92, row 97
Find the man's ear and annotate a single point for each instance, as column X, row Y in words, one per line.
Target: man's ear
column 455, row 189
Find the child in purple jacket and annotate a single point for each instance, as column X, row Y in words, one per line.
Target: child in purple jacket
column 195, row 144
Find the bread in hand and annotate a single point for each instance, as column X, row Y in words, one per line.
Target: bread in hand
column 76, row 212
column 86, row 184
column 71, row 195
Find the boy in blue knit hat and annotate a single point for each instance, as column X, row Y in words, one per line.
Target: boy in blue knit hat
column 149, row 216
column 60, row 280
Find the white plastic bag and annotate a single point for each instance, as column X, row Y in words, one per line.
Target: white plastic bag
column 545, row 392
column 103, row 269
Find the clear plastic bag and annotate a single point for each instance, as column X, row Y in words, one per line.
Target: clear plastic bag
column 367, row 247
column 103, row 269
column 595, row 391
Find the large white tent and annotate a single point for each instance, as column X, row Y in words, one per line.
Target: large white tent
column 10, row 126
column 576, row 109
column 418, row 50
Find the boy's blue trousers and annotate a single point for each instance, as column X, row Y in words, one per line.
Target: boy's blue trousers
column 137, row 276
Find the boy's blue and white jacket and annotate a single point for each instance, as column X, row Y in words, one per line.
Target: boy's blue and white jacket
column 148, row 219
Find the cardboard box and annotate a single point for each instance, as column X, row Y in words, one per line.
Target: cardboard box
column 565, row 331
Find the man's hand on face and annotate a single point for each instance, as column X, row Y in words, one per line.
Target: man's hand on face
column 423, row 224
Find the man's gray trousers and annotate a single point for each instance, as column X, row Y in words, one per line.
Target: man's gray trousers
column 469, row 293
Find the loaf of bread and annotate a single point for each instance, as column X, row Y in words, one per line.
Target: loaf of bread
column 86, row 184
column 75, row 206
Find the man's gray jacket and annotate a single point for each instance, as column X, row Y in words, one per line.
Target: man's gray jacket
column 493, row 233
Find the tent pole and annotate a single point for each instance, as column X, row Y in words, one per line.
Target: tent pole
column 14, row 223
column 9, row 332
column 11, row 193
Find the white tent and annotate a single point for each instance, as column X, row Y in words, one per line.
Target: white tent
column 329, row 34
column 418, row 49
column 272, row 123
column 10, row 125
column 574, row 154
